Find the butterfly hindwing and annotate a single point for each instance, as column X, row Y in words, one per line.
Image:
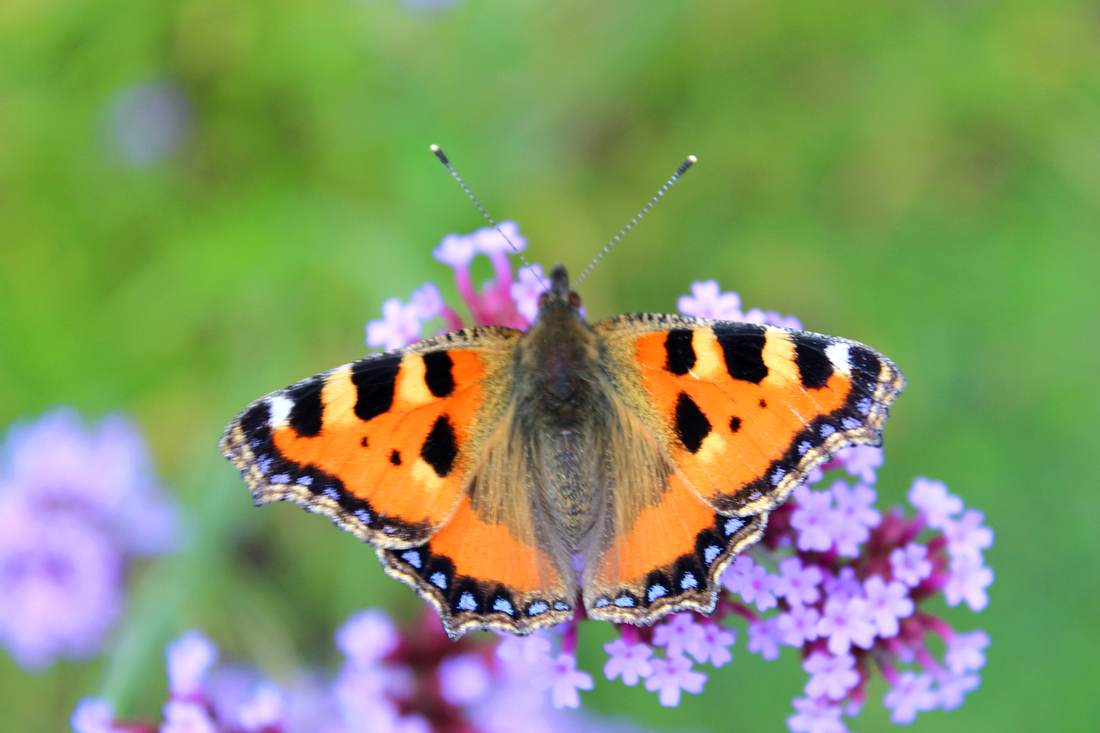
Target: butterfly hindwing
column 384, row 445
column 747, row 410
column 670, row 557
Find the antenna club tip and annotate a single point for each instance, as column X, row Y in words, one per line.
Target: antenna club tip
column 438, row 152
column 692, row 159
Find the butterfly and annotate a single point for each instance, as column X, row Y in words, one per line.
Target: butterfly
column 511, row 477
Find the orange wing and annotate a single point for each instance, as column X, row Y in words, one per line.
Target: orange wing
column 388, row 448
column 742, row 413
column 745, row 410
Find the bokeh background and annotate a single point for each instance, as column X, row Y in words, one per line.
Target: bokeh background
column 203, row 201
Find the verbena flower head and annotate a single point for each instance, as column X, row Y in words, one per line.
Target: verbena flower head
column 76, row 505
column 845, row 583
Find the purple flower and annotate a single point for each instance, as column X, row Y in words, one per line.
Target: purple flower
column 934, row 502
column 263, row 710
column 566, row 680
column 456, row 250
column 708, row 301
column 815, row 715
column 967, row 536
column 909, row 695
column 400, row 326
column 527, row 290
column 861, row 461
column 490, row 241
column 93, row 715
column 966, row 582
column 855, row 505
column 845, row 623
column 830, row 676
column 713, row 646
column 628, row 661
column 844, row 585
column 672, row 676
column 910, row 564
column 678, row 634
column 798, row 583
column 772, row 318
column 799, row 625
column 190, row 658
column 367, row 637
column 427, row 301
column 526, row 651
column 813, row 518
column 182, row 716
column 751, row 582
column 764, row 638
column 464, row 679
column 51, row 564
column 953, row 688
column 886, row 603
column 966, row 652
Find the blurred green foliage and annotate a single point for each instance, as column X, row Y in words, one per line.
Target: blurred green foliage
column 920, row 176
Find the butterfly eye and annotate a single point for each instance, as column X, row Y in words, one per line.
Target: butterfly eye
column 574, row 300
column 542, row 299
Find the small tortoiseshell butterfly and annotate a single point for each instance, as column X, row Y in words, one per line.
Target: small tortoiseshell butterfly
column 508, row 476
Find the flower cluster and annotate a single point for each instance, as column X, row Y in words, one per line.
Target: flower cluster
column 392, row 680
column 76, row 506
column 833, row 577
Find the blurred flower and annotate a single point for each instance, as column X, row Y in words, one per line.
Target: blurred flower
column 75, row 507
column 413, row 681
column 671, row 676
column 629, row 661
column 149, row 122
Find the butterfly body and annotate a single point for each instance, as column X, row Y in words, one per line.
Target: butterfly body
column 508, row 476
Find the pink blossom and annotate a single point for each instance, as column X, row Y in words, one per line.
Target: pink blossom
column 672, row 676
column 910, row 694
column 815, row 715
column 886, row 603
column 527, row 290
column 764, row 638
column 752, row 582
column 708, row 301
column 400, row 326
column 966, row 652
column 628, row 661
column 566, row 680
column 427, row 301
column 367, row 637
column 934, row 502
column 798, row 583
column 678, row 634
column 713, row 646
column 910, row 564
column 813, row 518
column 845, row 623
column 953, row 688
column 830, row 676
column 464, row 679
column 799, row 625
column 967, row 536
column 181, row 716
column 861, row 461
column 189, row 660
column 93, row 715
column 966, row 582
column 456, row 250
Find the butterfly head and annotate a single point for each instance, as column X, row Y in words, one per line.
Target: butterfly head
column 559, row 298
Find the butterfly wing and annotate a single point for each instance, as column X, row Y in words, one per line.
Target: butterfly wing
column 741, row 413
column 388, row 448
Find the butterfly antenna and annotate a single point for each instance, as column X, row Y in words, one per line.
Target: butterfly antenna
column 690, row 161
column 438, row 152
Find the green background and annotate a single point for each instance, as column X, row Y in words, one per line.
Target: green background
column 920, row 176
